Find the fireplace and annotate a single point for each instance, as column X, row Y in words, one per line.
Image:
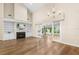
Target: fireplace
column 20, row 35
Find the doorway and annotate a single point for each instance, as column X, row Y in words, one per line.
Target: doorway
column 51, row 30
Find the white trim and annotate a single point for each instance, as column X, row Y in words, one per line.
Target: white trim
column 68, row 43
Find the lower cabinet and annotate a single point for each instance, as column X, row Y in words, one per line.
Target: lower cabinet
column 9, row 31
column 28, row 34
column 28, row 30
column 9, row 36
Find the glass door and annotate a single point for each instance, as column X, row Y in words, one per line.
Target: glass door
column 56, row 28
column 47, row 29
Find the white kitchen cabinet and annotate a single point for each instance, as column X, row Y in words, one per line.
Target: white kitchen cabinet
column 28, row 30
column 8, row 10
column 9, row 31
column 29, row 15
column 9, row 36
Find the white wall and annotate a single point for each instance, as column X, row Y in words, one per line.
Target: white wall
column 1, row 23
column 70, row 25
column 40, row 16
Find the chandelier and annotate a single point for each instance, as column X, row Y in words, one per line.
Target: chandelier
column 56, row 15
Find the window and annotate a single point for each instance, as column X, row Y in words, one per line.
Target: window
column 56, row 28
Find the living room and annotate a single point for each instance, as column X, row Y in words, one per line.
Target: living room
column 39, row 28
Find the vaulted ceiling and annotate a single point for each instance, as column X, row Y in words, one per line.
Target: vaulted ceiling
column 34, row 6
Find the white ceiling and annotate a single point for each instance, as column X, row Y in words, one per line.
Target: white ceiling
column 34, row 6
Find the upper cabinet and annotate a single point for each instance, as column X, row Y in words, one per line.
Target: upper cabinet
column 29, row 15
column 9, row 10
column 20, row 12
column 6, row 10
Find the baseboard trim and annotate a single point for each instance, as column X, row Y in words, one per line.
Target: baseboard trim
column 67, row 43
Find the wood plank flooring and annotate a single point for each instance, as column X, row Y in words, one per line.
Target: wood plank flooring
column 36, row 46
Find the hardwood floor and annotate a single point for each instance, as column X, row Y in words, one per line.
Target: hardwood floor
column 36, row 46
